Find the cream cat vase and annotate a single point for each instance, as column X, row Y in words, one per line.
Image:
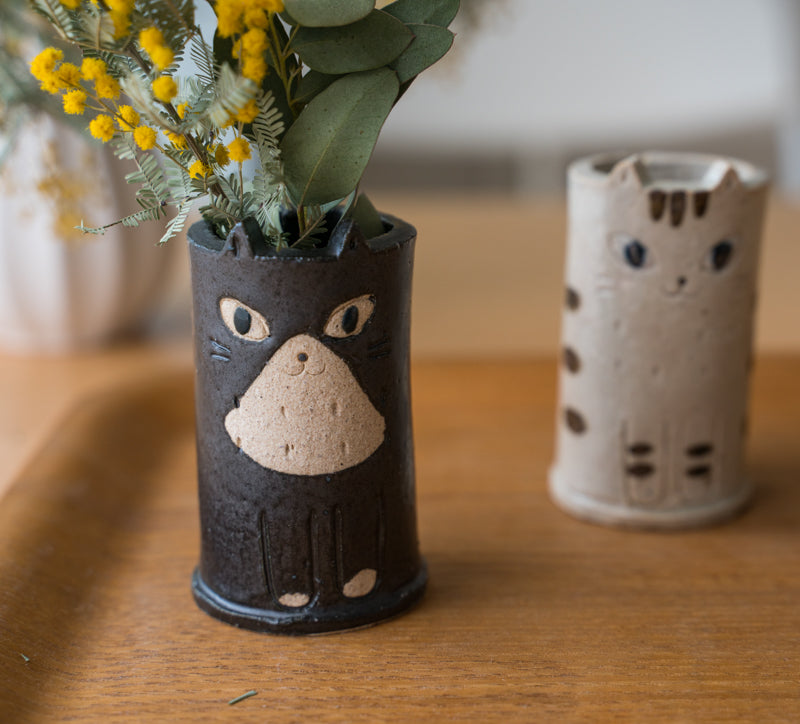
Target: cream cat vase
column 661, row 273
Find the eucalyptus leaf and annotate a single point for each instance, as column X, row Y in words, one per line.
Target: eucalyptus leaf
column 312, row 84
column 326, row 149
column 424, row 12
column 367, row 217
column 328, row 13
column 370, row 43
column 291, row 60
column 430, row 43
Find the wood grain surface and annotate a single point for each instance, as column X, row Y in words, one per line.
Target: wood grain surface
column 530, row 615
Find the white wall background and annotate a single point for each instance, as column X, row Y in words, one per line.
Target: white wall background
column 584, row 73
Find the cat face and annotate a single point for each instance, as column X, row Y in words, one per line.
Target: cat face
column 300, row 352
column 305, row 413
column 677, row 240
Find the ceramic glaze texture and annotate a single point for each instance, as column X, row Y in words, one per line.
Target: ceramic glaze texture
column 661, row 289
column 305, row 453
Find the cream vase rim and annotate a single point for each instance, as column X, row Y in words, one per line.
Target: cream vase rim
column 668, row 169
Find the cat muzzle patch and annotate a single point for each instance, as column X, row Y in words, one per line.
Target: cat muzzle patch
column 305, row 413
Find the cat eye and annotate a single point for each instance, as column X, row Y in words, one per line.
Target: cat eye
column 630, row 251
column 348, row 319
column 720, row 255
column 635, row 253
column 243, row 321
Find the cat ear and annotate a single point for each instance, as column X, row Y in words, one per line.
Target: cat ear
column 245, row 240
column 630, row 171
column 347, row 238
column 726, row 175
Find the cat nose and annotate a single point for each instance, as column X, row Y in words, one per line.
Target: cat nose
column 301, row 354
column 681, row 282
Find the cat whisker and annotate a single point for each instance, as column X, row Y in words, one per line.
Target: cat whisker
column 379, row 343
column 219, row 347
column 219, row 351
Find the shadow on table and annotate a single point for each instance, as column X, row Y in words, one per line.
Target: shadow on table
column 776, row 502
column 62, row 527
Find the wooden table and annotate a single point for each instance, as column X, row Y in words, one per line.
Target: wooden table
column 530, row 615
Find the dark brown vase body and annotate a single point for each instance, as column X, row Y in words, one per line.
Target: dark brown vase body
column 304, row 444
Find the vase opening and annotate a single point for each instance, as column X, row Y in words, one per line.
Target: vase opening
column 336, row 230
column 665, row 170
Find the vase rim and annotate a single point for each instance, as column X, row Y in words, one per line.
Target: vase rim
column 397, row 233
column 669, row 169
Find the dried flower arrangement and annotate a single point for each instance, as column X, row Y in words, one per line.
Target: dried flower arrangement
column 302, row 87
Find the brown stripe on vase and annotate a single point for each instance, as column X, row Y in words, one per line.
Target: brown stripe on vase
column 700, row 200
column 699, row 450
column 658, row 200
column 640, row 470
column 677, row 207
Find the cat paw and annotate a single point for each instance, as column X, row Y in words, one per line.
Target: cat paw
column 294, row 600
column 361, row 584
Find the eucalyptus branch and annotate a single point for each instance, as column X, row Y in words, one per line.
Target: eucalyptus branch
column 310, row 159
column 280, row 55
column 241, row 190
column 308, row 229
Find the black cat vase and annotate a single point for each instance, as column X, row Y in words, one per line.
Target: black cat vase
column 304, row 442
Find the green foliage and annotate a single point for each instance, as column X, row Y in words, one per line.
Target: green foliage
column 174, row 16
column 184, row 195
column 327, row 148
column 232, row 92
column 207, row 67
column 60, row 18
column 328, row 13
column 424, row 12
column 370, row 43
column 367, row 217
column 312, row 84
column 430, row 43
column 357, row 73
column 267, row 132
column 304, row 95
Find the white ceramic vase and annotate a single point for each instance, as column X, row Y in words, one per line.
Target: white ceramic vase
column 62, row 290
column 661, row 271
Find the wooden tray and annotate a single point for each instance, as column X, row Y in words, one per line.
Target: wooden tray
column 529, row 613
